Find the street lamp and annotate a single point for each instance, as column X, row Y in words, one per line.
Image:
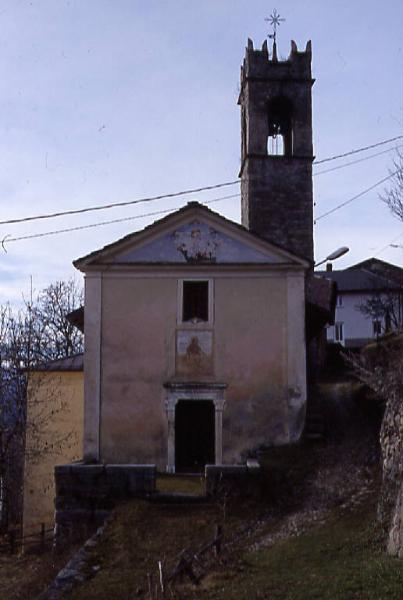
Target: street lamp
column 335, row 254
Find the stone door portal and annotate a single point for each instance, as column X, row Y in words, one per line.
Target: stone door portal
column 195, row 433
column 194, row 413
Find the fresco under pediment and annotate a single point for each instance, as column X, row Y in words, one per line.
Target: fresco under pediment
column 197, row 242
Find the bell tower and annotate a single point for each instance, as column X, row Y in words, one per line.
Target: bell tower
column 277, row 154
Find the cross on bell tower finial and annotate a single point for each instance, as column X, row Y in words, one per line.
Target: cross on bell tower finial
column 275, row 21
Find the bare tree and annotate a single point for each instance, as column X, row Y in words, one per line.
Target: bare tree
column 386, row 308
column 393, row 196
column 56, row 336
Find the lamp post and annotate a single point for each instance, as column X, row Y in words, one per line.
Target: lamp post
column 333, row 255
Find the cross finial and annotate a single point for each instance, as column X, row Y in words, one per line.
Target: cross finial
column 275, row 21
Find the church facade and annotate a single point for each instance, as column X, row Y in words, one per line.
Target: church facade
column 196, row 326
column 195, row 344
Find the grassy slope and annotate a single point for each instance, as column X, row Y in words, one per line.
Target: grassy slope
column 343, row 559
column 25, row 576
column 141, row 534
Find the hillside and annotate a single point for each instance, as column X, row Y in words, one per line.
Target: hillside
column 341, row 557
column 311, row 534
column 310, row 531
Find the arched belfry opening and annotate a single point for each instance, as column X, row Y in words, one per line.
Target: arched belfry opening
column 279, row 140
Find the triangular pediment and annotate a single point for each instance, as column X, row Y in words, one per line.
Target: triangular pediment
column 193, row 235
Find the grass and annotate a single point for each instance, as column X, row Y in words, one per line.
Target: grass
column 140, row 536
column 25, row 576
column 343, row 559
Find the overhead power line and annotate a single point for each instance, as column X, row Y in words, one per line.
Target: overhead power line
column 181, row 193
column 372, row 187
column 383, row 248
column 6, row 240
column 78, row 211
column 323, row 160
column 359, row 160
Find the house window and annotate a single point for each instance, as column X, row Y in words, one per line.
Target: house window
column 377, row 328
column 339, row 332
column 195, row 301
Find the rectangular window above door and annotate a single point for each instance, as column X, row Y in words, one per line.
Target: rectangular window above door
column 195, row 301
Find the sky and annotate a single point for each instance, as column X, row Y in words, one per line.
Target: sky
column 113, row 100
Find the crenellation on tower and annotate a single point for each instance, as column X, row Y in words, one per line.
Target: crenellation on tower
column 277, row 152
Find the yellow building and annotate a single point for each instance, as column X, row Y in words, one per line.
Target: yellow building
column 54, row 435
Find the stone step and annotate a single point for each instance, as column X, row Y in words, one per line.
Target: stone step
column 178, row 498
column 313, row 436
column 314, row 425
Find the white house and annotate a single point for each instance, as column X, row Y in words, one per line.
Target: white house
column 369, row 301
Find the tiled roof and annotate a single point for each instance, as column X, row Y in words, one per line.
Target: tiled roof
column 368, row 275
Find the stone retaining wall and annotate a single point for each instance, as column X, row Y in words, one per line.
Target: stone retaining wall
column 86, row 494
column 395, row 540
column 390, row 509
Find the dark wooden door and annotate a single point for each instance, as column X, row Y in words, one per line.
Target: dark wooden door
column 194, row 435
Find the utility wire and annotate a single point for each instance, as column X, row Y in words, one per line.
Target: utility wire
column 319, row 162
column 354, row 162
column 331, row 211
column 174, row 194
column 117, row 204
column 377, row 252
column 6, row 240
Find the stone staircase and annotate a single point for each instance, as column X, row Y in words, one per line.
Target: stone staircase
column 315, row 426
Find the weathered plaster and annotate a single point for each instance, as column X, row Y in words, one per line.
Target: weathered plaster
column 92, row 365
column 296, row 355
column 54, row 423
column 257, row 350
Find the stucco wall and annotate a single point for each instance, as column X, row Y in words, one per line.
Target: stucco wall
column 54, row 436
column 257, row 350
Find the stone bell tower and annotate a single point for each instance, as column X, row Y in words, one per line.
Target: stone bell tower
column 277, row 154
